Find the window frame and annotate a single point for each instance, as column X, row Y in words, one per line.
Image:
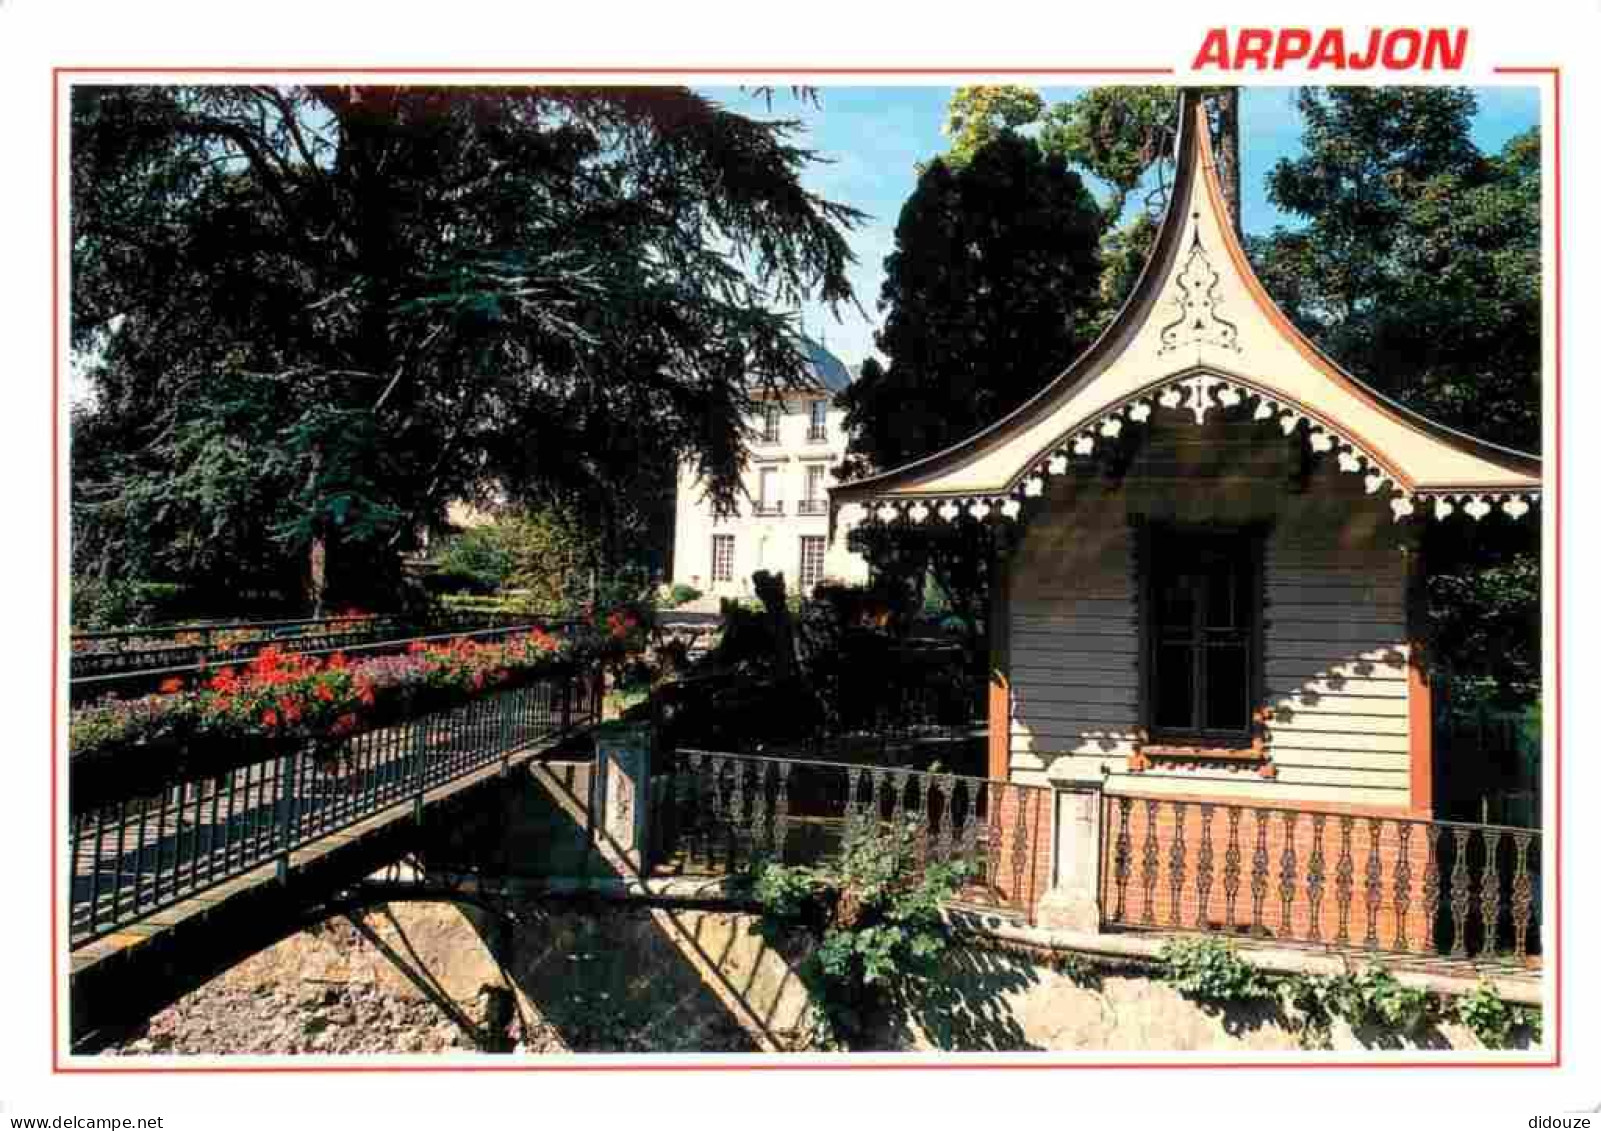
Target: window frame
column 772, row 418
column 1153, row 539
column 821, row 545
column 727, row 539
column 817, row 427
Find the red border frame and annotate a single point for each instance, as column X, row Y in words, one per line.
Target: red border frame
column 56, row 1061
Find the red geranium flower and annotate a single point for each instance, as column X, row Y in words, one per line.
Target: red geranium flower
column 269, row 717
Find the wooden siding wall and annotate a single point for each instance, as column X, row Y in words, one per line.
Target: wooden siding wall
column 1334, row 633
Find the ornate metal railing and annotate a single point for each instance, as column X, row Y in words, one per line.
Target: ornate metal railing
column 1402, row 885
column 126, row 651
column 139, row 677
column 722, row 813
column 133, row 857
column 812, row 506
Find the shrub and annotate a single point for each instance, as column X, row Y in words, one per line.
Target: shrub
column 682, row 594
column 877, row 908
column 1492, row 1019
column 1210, row 970
column 1377, row 998
column 102, row 605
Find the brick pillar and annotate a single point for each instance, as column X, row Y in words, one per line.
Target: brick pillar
column 1073, row 902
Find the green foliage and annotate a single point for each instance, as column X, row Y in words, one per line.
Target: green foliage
column 682, row 594
column 1210, row 970
column 102, row 605
column 1493, row 1021
column 1373, row 998
column 539, row 555
column 977, row 115
column 877, row 907
column 991, row 289
column 1418, row 262
column 313, row 316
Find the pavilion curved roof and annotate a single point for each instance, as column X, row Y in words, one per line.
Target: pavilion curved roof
column 1199, row 333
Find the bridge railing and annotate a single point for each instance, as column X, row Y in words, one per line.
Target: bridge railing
column 136, row 856
column 130, row 673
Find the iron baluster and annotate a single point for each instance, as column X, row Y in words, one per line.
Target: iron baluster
column 853, row 778
column 1019, row 848
column 1287, row 876
column 1232, row 858
column 1175, row 863
column 873, row 811
column 1374, row 890
column 1259, row 873
column 1203, row 868
column 946, row 785
column 1431, row 886
column 1315, row 881
column 897, row 781
column 781, row 811
column 1403, row 882
column 1148, row 862
column 1522, row 895
column 761, row 817
column 1461, row 886
column 1344, row 876
column 1490, row 893
column 969, row 832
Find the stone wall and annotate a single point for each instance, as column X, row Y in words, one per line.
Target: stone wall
column 546, row 978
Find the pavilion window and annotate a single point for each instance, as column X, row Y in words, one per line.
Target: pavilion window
column 1201, row 648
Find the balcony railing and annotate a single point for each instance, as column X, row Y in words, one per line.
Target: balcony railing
column 720, row 813
column 812, row 506
column 816, row 435
column 768, row 508
column 1397, row 884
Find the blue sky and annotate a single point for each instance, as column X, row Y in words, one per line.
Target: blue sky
column 874, row 136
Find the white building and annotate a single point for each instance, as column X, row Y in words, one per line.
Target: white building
column 781, row 523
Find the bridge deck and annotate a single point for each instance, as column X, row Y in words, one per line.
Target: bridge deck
column 141, row 868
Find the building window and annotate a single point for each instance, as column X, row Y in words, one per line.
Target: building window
column 1202, row 599
column 722, row 557
column 814, row 501
column 767, row 494
column 811, row 562
column 819, row 427
column 770, row 416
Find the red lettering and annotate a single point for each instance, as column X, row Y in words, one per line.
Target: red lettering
column 1448, row 47
column 1330, row 51
column 1408, row 37
column 1252, row 47
column 1214, row 51
column 1363, row 62
column 1294, row 43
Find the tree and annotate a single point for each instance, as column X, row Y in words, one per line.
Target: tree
column 1418, row 261
column 989, row 293
column 312, row 316
column 1418, row 267
column 1111, row 134
column 986, row 297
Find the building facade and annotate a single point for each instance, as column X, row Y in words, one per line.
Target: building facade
column 781, row 522
column 1209, row 574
